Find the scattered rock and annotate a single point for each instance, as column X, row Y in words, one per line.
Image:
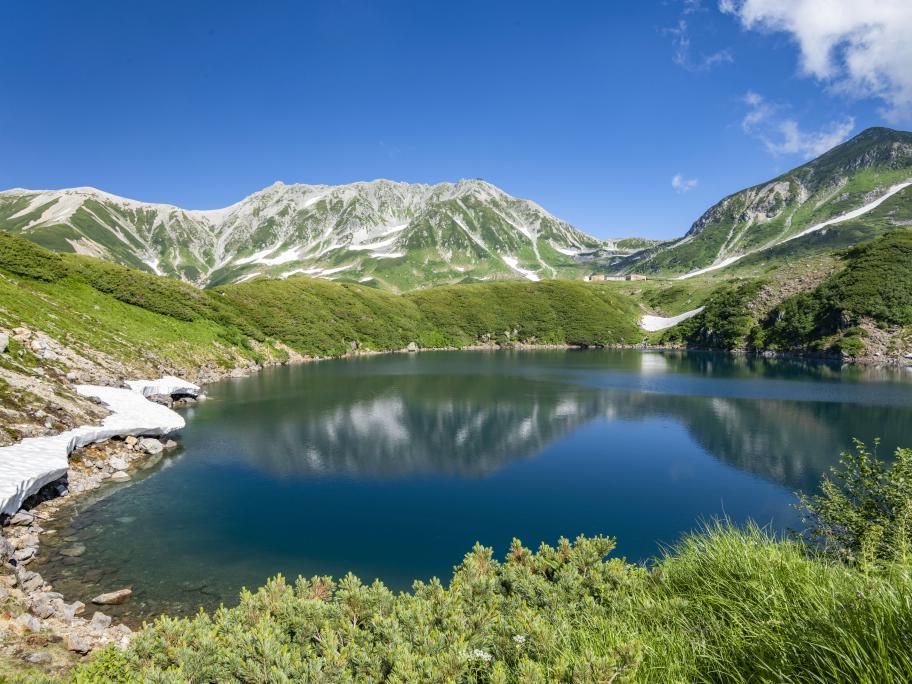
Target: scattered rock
column 150, row 445
column 40, row 606
column 29, row 581
column 118, row 463
column 6, row 550
column 25, row 555
column 67, row 612
column 100, row 622
column 120, row 475
column 77, row 644
column 412, row 347
column 130, row 440
column 113, row 598
column 4, row 342
column 170, row 444
column 71, row 376
column 27, row 623
column 38, row 658
column 22, row 518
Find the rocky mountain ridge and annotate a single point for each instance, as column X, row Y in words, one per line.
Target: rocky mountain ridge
column 397, row 235
column 841, row 184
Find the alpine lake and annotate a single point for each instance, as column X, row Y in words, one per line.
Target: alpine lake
column 393, row 466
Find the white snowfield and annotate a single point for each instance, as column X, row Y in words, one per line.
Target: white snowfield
column 34, row 462
column 848, row 216
column 652, row 323
column 164, row 385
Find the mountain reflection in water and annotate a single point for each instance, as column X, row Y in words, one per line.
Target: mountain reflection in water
column 463, row 421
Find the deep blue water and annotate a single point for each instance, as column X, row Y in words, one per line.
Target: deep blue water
column 394, row 466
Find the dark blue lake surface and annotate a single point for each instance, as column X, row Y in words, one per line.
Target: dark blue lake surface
column 394, row 466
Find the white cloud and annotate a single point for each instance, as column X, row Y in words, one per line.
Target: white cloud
column 859, row 47
column 683, row 54
column 691, row 6
column 781, row 134
column 681, row 184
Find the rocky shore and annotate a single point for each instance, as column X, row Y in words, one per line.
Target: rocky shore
column 38, row 627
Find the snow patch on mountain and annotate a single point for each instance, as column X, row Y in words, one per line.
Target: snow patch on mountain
column 513, row 263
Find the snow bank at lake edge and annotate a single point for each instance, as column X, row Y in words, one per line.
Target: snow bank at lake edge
column 652, row 323
column 27, row 466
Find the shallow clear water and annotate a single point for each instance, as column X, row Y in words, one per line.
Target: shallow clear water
column 394, row 466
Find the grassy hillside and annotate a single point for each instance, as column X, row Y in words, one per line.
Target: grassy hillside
column 133, row 315
column 867, row 297
column 875, row 285
column 101, row 308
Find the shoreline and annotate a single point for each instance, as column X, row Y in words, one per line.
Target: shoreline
column 116, row 458
column 44, row 479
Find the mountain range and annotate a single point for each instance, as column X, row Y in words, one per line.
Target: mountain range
column 396, row 235
column 401, row 236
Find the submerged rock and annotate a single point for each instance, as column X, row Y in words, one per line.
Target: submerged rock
column 113, row 598
column 74, row 550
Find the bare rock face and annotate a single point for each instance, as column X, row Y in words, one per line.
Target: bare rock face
column 113, row 598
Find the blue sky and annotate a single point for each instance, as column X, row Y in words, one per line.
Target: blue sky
column 592, row 109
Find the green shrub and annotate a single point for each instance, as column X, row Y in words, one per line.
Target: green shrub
column 24, row 258
column 864, row 510
column 725, row 605
column 727, row 322
column 875, row 283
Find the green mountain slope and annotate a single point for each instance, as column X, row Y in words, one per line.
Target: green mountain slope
column 852, row 176
column 863, row 308
column 159, row 323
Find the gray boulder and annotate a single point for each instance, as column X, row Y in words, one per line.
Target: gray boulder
column 117, row 463
column 40, row 606
column 77, row 644
column 150, row 445
column 100, row 622
column 28, row 623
